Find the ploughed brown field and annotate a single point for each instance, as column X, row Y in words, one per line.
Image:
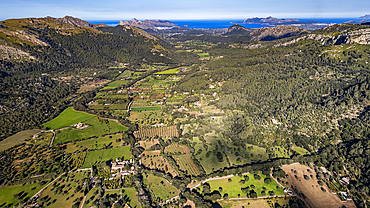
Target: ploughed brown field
column 315, row 197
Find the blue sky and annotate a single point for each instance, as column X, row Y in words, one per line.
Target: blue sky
column 184, row 9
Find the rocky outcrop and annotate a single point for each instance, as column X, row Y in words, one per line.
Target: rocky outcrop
column 7, row 52
column 236, row 30
column 78, row 22
column 361, row 36
column 148, row 24
column 21, row 34
column 273, row 33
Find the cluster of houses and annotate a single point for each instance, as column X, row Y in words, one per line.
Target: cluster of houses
column 118, row 168
column 80, row 126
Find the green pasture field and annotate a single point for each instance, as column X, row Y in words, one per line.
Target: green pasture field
column 68, row 117
column 7, row 194
column 112, row 95
column 164, row 192
column 67, row 196
column 259, row 153
column 115, row 84
column 93, row 197
column 150, row 108
column 233, row 188
column 203, row 55
column 300, row 150
column 280, row 152
column 170, row 71
column 17, row 138
column 95, row 129
column 94, row 157
column 120, row 106
column 237, row 161
column 132, row 195
column 126, row 74
column 94, row 143
column 210, row 163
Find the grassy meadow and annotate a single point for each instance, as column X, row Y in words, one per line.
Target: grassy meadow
column 94, row 157
column 17, row 138
column 67, row 118
column 233, row 188
column 96, row 128
column 7, row 194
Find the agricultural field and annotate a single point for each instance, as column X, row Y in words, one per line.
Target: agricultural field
column 148, row 143
column 210, row 163
column 160, row 188
column 300, row 150
column 76, row 161
column 67, row 118
column 8, row 194
column 176, row 149
column 94, row 157
column 315, row 196
column 115, row 84
column 234, row 187
column 120, row 94
column 169, row 131
column 66, row 192
column 131, row 195
column 280, row 152
column 43, row 139
column 94, row 143
column 186, row 164
column 260, row 203
column 256, row 153
column 147, row 108
column 17, row 138
column 152, row 160
column 146, row 117
column 169, row 71
column 211, row 109
column 97, row 127
column 204, row 55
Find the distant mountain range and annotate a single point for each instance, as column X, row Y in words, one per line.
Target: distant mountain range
column 149, row 24
column 367, row 16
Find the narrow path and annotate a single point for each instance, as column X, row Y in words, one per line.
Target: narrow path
column 128, row 106
column 83, row 200
column 52, row 139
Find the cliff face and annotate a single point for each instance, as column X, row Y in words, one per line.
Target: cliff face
column 148, row 24
column 360, row 36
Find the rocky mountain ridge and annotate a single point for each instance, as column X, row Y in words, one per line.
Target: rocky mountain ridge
column 367, row 16
column 78, row 22
column 272, row 33
column 148, row 24
column 360, row 36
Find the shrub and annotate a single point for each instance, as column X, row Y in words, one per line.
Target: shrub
column 257, row 177
column 267, row 180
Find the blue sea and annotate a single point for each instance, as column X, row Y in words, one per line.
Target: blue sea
column 220, row 24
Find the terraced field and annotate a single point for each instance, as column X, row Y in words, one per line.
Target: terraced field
column 170, row 131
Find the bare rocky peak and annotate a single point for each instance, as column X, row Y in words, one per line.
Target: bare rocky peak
column 78, row 22
column 272, row 33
